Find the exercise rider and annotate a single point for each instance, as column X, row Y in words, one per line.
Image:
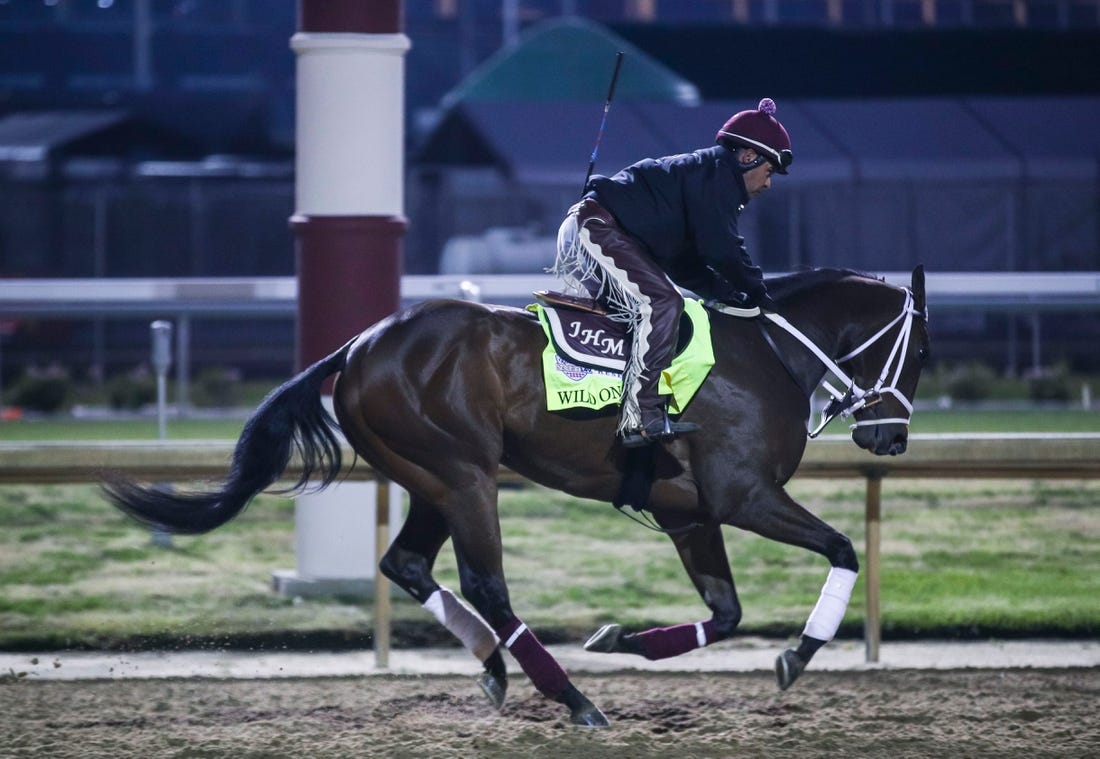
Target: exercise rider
column 667, row 222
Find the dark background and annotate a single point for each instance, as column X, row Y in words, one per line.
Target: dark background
column 187, row 169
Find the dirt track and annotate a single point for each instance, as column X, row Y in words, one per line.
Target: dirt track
column 1014, row 713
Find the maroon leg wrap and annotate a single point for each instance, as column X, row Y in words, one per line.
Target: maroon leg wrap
column 666, row 642
column 537, row 663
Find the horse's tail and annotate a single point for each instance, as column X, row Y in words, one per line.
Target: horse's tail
column 291, row 416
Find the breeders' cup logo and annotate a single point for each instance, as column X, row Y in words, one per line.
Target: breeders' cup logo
column 572, row 371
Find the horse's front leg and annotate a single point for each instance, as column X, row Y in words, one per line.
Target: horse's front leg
column 774, row 514
column 703, row 554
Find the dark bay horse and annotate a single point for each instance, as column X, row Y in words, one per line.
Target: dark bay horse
column 438, row 397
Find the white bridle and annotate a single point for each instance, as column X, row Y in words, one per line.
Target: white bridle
column 856, row 398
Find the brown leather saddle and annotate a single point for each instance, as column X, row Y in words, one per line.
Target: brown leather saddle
column 551, row 299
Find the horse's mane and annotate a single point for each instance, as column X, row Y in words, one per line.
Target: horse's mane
column 788, row 286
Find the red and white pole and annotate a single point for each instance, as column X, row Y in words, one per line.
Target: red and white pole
column 348, row 224
column 349, row 185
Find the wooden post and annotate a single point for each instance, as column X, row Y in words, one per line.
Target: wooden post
column 382, row 615
column 872, row 630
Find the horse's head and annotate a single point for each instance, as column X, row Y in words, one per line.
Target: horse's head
column 885, row 367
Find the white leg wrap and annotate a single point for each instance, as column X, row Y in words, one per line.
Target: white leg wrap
column 825, row 618
column 515, row 635
column 465, row 623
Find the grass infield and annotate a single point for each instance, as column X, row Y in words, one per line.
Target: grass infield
column 959, row 558
column 975, row 558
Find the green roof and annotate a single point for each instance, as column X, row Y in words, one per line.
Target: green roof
column 571, row 59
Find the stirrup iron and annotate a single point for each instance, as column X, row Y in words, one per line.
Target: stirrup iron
column 662, row 430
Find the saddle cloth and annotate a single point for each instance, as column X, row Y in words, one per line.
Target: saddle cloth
column 585, row 356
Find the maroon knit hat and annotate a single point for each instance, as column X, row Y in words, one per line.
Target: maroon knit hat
column 760, row 131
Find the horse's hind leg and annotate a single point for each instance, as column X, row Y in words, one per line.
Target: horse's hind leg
column 408, row 563
column 476, row 537
column 703, row 554
column 777, row 516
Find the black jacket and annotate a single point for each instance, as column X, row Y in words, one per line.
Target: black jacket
column 683, row 209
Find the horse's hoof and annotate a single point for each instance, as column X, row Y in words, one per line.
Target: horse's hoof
column 589, row 716
column 605, row 640
column 493, row 688
column 788, row 666
column 581, row 711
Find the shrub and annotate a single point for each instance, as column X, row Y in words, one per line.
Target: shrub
column 46, row 390
column 132, row 391
column 218, row 387
column 970, row 382
column 1051, row 384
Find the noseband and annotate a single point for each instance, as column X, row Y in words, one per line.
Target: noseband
column 857, row 398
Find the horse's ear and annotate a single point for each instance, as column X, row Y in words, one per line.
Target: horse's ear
column 918, row 287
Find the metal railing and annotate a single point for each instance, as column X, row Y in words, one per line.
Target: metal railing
column 180, row 300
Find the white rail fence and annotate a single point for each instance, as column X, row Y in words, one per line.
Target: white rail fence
column 181, row 300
